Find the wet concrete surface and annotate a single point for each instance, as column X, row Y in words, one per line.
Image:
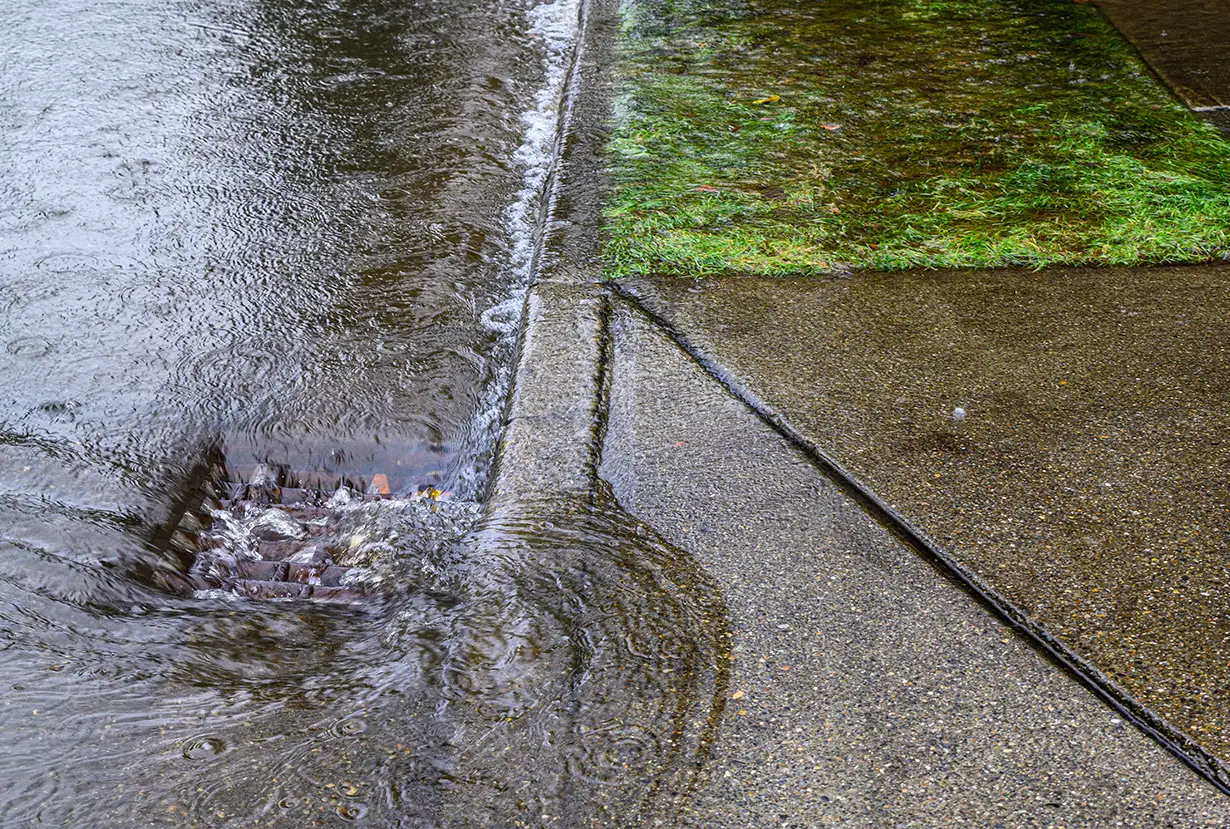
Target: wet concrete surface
column 867, row 689
column 547, row 444
column 1184, row 41
column 1062, row 433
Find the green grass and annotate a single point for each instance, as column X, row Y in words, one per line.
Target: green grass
column 904, row 133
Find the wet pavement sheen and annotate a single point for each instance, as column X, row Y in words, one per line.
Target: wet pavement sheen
column 289, row 241
column 273, row 244
column 1183, row 41
column 1064, row 433
column 866, row 689
column 273, row 226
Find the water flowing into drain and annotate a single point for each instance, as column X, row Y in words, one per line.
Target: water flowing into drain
column 282, row 651
column 232, row 555
column 537, row 678
column 279, row 650
column 555, row 664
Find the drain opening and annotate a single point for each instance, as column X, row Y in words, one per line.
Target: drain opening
column 271, row 533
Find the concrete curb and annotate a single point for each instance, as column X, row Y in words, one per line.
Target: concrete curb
column 549, row 442
column 548, row 445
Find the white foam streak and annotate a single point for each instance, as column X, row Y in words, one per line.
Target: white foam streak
column 555, row 23
column 556, row 26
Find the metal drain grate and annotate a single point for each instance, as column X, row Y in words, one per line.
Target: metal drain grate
column 293, row 559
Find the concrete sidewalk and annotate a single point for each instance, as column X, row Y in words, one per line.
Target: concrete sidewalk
column 869, row 689
column 1184, row 42
column 1062, row 434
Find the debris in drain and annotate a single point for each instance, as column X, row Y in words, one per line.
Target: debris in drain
column 270, row 542
column 275, row 534
column 379, row 485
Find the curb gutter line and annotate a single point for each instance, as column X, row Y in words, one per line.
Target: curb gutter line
column 553, row 412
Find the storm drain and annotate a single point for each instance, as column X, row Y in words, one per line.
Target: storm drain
column 276, row 535
column 271, row 542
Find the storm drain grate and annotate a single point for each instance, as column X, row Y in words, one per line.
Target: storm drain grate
column 285, row 550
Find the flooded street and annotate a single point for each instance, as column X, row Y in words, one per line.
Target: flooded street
column 288, row 244
column 338, row 483
column 282, row 228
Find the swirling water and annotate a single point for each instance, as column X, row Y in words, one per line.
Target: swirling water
column 551, row 663
column 297, row 234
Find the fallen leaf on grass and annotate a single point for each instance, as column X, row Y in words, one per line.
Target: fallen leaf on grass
column 772, row 99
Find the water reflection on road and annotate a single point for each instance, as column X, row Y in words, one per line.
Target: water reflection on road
column 296, row 233
column 278, row 223
column 555, row 663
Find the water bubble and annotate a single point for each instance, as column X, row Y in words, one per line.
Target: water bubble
column 349, row 727
column 69, row 262
column 29, row 347
column 609, row 754
column 392, row 347
column 351, row 811
column 503, row 317
column 203, row 748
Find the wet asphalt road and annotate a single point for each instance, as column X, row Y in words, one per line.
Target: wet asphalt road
column 279, row 232
column 272, row 226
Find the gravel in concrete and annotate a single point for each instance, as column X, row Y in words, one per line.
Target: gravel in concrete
column 867, row 690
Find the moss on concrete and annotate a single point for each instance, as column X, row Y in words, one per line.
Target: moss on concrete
column 794, row 136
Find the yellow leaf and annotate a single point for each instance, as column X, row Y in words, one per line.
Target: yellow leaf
column 772, row 99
